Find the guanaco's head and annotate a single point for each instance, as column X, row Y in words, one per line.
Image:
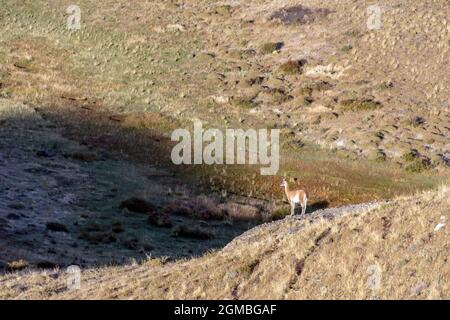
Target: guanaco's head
column 283, row 183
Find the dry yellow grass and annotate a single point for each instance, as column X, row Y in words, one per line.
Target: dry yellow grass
column 288, row 259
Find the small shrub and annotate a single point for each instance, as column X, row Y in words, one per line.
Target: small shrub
column 410, row 156
column 17, row 265
column 378, row 156
column 137, row 205
column 193, row 232
column 419, row 165
column 292, row 67
column 280, row 213
column 200, row 207
column 160, row 220
column 98, row 237
column 244, row 103
column 56, row 227
column 225, row 9
column 117, row 227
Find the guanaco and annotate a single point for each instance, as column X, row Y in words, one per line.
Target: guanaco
column 294, row 197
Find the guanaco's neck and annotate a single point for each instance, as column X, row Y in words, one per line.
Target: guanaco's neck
column 286, row 190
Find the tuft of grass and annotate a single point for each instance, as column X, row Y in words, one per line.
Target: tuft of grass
column 419, row 165
column 346, row 48
column 271, row 47
column 360, row 105
column 378, row 156
column 410, row 156
column 278, row 96
column 244, row 103
column 17, row 265
column 25, row 64
column 292, row 67
column 225, row 9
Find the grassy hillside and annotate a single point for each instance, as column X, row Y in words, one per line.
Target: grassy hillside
column 85, row 123
column 355, row 128
column 334, row 256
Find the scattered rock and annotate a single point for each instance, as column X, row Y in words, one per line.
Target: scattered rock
column 417, row 290
column 176, row 27
column 332, row 71
column 220, row 99
column 299, row 14
column 417, row 121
